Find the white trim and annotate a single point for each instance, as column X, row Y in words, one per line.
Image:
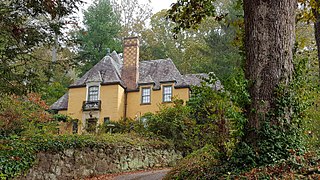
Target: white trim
column 89, row 84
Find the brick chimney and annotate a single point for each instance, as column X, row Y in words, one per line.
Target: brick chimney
column 130, row 69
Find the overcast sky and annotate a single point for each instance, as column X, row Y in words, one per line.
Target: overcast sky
column 157, row 5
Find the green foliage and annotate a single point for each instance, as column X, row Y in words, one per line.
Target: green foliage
column 280, row 134
column 101, row 29
column 209, row 106
column 24, row 27
column 212, row 47
column 53, row 92
column 280, row 137
column 19, row 153
column 224, row 44
column 186, row 51
column 186, row 16
column 19, row 114
column 309, row 96
column 210, row 117
column 175, row 123
column 197, row 165
column 62, row 118
column 295, row 167
column 124, row 125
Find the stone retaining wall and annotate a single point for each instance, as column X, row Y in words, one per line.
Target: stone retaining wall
column 80, row 163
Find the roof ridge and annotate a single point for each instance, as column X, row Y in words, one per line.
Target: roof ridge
column 149, row 61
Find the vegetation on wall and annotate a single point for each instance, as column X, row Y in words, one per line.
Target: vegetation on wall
column 18, row 154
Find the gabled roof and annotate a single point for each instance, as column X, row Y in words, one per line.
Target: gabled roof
column 61, row 104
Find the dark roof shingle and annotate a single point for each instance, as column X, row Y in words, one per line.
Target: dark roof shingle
column 159, row 71
column 106, row 71
column 61, row 103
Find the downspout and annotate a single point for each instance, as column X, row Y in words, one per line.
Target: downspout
column 125, row 103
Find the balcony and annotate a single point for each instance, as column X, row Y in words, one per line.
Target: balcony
column 91, row 105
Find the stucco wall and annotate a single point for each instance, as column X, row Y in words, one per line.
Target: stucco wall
column 112, row 102
column 135, row 108
column 76, row 98
column 80, row 163
column 65, row 112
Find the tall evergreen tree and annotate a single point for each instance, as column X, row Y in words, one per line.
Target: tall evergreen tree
column 102, row 26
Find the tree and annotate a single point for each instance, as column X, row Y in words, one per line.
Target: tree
column 22, row 31
column 210, row 48
column 316, row 14
column 55, row 77
column 309, row 10
column 187, row 51
column 269, row 40
column 133, row 16
column 269, row 58
column 102, row 25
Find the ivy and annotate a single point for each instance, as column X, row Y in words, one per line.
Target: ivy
column 18, row 154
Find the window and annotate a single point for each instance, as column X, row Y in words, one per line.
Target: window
column 106, row 120
column 167, row 93
column 74, row 127
column 91, row 125
column 93, row 93
column 146, row 96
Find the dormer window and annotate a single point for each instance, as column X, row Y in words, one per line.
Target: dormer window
column 167, row 93
column 146, row 96
column 93, row 93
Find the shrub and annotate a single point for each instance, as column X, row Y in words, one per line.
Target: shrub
column 172, row 123
column 197, row 165
column 124, row 125
column 18, row 113
column 62, row 118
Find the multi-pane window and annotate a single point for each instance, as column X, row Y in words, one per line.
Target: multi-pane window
column 93, row 93
column 146, row 96
column 167, row 93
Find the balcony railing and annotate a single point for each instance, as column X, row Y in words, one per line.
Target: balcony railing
column 91, row 105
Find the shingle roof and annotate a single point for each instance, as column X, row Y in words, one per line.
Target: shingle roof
column 159, row 71
column 61, row 104
column 108, row 71
column 196, row 79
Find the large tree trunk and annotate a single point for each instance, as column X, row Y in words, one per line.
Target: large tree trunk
column 269, row 39
column 316, row 14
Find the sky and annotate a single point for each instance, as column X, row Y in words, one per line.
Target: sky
column 156, row 5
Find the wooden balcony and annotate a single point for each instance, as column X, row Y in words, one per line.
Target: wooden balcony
column 91, row 105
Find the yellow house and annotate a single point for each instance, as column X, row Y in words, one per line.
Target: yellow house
column 119, row 87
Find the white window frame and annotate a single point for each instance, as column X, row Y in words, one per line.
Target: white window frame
column 93, row 93
column 165, row 94
column 90, row 84
column 145, row 95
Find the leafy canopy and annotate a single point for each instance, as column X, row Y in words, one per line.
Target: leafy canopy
column 24, row 27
